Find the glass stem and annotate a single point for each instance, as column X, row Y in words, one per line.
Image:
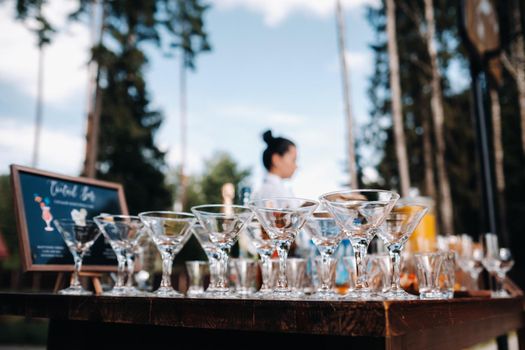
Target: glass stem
column 167, row 263
column 499, row 282
column 395, row 257
column 130, row 262
column 474, row 276
column 360, row 254
column 282, row 251
column 266, row 271
column 78, row 265
column 214, row 272
column 222, row 280
column 121, row 269
column 325, row 272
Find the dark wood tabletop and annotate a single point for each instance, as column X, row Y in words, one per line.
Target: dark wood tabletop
column 439, row 324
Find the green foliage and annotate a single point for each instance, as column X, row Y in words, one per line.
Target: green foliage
column 206, row 189
column 127, row 151
column 220, row 169
column 8, row 221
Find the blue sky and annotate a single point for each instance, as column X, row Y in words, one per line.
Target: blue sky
column 274, row 65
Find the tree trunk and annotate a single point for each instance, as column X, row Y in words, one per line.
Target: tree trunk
column 352, row 167
column 518, row 55
column 520, row 82
column 395, row 87
column 183, row 183
column 430, row 184
column 39, row 105
column 436, row 101
column 498, row 155
column 94, row 104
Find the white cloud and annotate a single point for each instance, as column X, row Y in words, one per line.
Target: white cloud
column 262, row 116
column 65, row 60
column 60, row 151
column 276, row 11
column 357, row 62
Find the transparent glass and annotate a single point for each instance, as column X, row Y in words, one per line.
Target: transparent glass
column 470, row 259
column 79, row 237
column 169, row 231
column 360, row 213
column 263, row 244
column 196, row 270
column 498, row 262
column 326, row 235
column 123, row 233
column 223, row 223
column 428, row 268
column 212, row 253
column 282, row 218
column 395, row 232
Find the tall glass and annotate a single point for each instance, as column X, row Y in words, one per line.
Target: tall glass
column 395, row 232
column 282, row 218
column 360, row 213
column 123, row 233
column 223, row 224
column 326, row 235
column 79, row 237
column 169, row 231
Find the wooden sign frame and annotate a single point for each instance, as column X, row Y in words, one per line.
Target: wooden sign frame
column 22, row 223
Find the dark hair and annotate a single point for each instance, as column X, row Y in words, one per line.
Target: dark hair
column 278, row 145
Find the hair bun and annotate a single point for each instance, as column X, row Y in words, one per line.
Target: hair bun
column 268, row 137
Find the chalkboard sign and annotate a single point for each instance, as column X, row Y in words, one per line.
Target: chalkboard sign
column 41, row 197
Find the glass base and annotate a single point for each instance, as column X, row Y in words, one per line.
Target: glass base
column 167, row 292
column 324, row 295
column 500, row 294
column 116, row 292
column 264, row 294
column 399, row 294
column 218, row 292
column 72, row 290
column 360, row 294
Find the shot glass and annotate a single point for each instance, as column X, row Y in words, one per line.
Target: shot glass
column 447, row 275
column 378, row 273
column 197, row 270
column 245, row 276
column 328, row 293
column 295, row 273
column 428, row 267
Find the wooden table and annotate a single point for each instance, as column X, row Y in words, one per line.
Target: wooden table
column 91, row 322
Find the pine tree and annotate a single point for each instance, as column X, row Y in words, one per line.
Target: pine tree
column 127, row 152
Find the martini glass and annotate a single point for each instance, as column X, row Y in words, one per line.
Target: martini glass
column 326, row 235
column 169, row 231
column 264, row 246
column 214, row 255
column 123, row 233
column 223, row 223
column 395, row 232
column 360, row 213
column 282, row 218
column 79, row 237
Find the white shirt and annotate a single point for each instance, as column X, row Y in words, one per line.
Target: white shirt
column 273, row 186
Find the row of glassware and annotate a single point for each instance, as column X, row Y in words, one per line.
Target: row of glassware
column 355, row 214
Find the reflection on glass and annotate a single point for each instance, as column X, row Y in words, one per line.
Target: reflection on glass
column 78, row 238
column 223, row 224
column 360, row 213
column 282, row 218
column 169, row 231
column 123, row 233
column 395, row 232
